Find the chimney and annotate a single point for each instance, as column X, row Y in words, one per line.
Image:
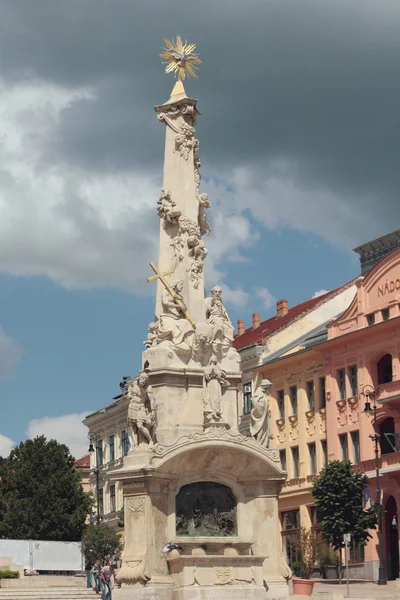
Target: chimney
column 256, row 320
column 282, row 308
column 240, row 327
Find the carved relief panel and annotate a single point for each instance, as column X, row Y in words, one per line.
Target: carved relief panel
column 341, row 412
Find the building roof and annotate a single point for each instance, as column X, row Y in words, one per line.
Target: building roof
column 83, row 462
column 266, row 328
column 374, row 251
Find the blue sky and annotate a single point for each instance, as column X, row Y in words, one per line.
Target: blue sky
column 299, row 151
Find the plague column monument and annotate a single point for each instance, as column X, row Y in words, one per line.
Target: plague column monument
column 200, row 500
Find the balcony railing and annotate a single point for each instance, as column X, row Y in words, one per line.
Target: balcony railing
column 386, row 461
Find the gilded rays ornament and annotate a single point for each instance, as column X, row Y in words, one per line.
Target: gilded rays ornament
column 180, row 58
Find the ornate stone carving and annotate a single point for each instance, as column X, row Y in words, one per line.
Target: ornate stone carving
column 152, row 335
column 341, row 412
column 201, row 349
column 206, row 509
column 223, row 575
column 167, row 209
column 190, row 231
column 259, row 417
column 310, row 426
column 134, row 567
column 214, row 383
column 185, row 141
column 294, row 427
column 222, row 434
column 353, row 409
column 141, row 410
column 217, row 317
column 281, row 430
column 322, row 420
column 135, row 504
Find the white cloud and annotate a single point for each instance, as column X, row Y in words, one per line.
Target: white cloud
column 265, row 295
column 10, row 354
column 6, row 445
column 234, row 296
column 66, row 429
column 319, row 293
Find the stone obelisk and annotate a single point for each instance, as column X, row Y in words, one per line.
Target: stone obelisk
column 200, row 500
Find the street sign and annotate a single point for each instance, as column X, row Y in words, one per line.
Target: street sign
column 347, row 538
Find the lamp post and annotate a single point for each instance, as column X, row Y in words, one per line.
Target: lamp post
column 371, row 395
column 93, row 448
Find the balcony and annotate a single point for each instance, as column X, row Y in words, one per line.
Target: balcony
column 388, row 463
column 389, row 392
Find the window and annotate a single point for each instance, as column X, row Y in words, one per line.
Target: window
column 101, row 502
column 385, row 373
column 324, row 448
column 99, row 452
column 310, row 395
column 281, row 404
column 385, row 314
column 356, row 552
column 355, row 440
column 124, row 442
column 112, row 498
column 344, row 449
column 290, row 525
column 353, row 381
column 371, row 319
column 246, row 391
column 322, row 392
column 111, row 445
column 387, row 436
column 341, row 384
column 282, row 456
column 293, row 399
column 296, row 462
column 313, row 458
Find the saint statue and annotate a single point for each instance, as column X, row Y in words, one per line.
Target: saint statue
column 174, row 326
column 259, row 417
column 141, row 410
column 217, row 317
column 214, row 381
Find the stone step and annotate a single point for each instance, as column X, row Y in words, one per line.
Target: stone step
column 48, row 593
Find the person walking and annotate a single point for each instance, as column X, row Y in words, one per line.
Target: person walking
column 106, row 574
column 88, row 569
column 96, row 576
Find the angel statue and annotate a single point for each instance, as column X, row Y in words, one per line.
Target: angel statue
column 214, row 382
column 259, row 417
column 141, row 410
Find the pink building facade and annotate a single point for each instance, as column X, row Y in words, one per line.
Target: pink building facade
column 362, row 354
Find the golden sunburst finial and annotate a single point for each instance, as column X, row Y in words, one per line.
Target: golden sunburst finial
column 180, row 58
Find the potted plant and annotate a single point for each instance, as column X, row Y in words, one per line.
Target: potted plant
column 306, row 542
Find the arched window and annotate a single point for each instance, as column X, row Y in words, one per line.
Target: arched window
column 385, row 373
column 387, row 440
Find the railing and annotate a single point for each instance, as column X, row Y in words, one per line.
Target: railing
column 385, row 461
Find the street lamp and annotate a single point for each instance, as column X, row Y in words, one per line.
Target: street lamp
column 93, row 448
column 371, row 395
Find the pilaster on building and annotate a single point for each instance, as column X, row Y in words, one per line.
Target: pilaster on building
column 321, row 356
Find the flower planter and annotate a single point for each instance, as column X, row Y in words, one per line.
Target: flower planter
column 303, row 587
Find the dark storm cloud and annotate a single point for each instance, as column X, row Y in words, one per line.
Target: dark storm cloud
column 316, row 84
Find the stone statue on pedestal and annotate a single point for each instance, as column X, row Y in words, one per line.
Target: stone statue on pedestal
column 174, row 326
column 214, row 382
column 217, row 317
column 259, row 417
column 141, row 410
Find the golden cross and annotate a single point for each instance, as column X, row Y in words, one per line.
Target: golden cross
column 161, row 277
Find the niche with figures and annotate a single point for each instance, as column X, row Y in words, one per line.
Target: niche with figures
column 206, row 509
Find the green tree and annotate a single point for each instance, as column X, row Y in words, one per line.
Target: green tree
column 41, row 495
column 338, row 492
column 99, row 541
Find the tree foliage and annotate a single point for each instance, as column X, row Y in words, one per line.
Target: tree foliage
column 338, row 491
column 41, row 495
column 99, row 541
